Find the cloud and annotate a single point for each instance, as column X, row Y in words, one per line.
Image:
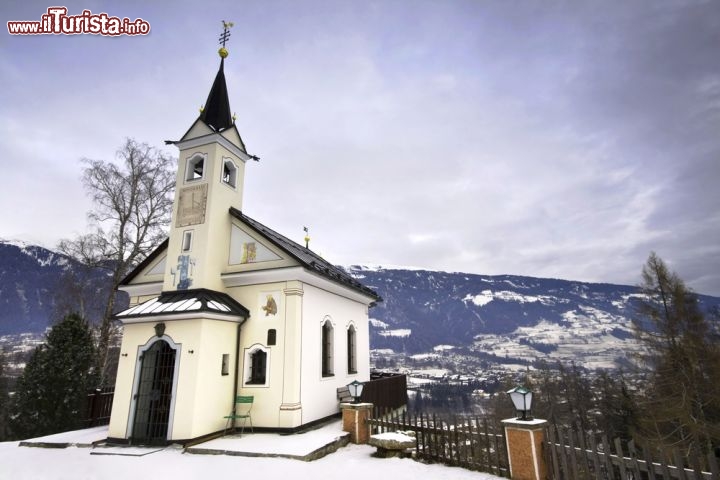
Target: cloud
column 560, row 139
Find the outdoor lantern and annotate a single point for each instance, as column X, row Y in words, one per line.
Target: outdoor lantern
column 522, row 399
column 355, row 389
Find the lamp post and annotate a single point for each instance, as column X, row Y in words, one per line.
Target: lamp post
column 525, row 436
column 522, row 399
column 355, row 389
column 355, row 415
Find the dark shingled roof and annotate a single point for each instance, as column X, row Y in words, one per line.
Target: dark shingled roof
column 305, row 256
column 196, row 301
column 216, row 112
column 302, row 255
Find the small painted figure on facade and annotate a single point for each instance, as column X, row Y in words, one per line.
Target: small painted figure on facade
column 270, row 307
column 249, row 253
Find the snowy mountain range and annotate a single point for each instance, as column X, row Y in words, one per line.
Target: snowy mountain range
column 32, row 283
column 506, row 318
column 510, row 319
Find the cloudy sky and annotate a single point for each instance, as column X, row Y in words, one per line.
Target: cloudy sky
column 561, row 139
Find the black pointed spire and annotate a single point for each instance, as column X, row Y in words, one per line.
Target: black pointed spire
column 216, row 112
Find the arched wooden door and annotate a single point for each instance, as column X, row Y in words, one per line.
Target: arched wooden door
column 154, row 395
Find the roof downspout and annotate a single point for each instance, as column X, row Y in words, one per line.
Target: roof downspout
column 237, row 368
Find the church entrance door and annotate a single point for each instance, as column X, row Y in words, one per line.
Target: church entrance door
column 154, row 395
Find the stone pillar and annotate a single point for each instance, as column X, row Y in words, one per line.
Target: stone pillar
column 524, row 444
column 354, row 417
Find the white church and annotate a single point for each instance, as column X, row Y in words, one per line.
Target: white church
column 227, row 307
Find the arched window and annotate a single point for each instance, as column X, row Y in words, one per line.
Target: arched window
column 229, row 173
column 327, row 349
column 351, row 350
column 256, row 366
column 195, row 167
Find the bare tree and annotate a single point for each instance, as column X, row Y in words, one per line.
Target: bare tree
column 81, row 289
column 132, row 205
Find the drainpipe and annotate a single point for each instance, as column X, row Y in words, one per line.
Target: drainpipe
column 237, row 366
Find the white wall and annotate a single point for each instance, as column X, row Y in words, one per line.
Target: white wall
column 268, row 397
column 319, row 394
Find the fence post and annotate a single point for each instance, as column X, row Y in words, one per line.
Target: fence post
column 354, row 419
column 524, row 445
column 90, row 411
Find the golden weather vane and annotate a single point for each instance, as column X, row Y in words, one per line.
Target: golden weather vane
column 224, row 37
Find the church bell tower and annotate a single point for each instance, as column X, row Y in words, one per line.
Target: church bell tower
column 211, row 170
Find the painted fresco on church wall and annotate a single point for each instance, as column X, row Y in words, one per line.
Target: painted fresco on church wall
column 249, row 252
column 245, row 249
column 182, row 276
column 269, row 304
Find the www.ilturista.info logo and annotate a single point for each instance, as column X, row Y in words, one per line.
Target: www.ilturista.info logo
column 57, row 22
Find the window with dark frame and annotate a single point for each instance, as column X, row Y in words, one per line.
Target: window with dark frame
column 225, row 369
column 272, row 337
column 352, row 353
column 327, row 349
column 258, row 368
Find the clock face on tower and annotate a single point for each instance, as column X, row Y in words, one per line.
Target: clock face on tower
column 191, row 205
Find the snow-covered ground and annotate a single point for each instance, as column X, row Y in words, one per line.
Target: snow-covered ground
column 353, row 462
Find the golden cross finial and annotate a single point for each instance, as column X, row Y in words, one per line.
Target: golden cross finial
column 225, row 35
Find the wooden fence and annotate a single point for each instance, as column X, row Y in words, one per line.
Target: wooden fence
column 99, row 406
column 573, row 455
column 386, row 390
column 468, row 442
